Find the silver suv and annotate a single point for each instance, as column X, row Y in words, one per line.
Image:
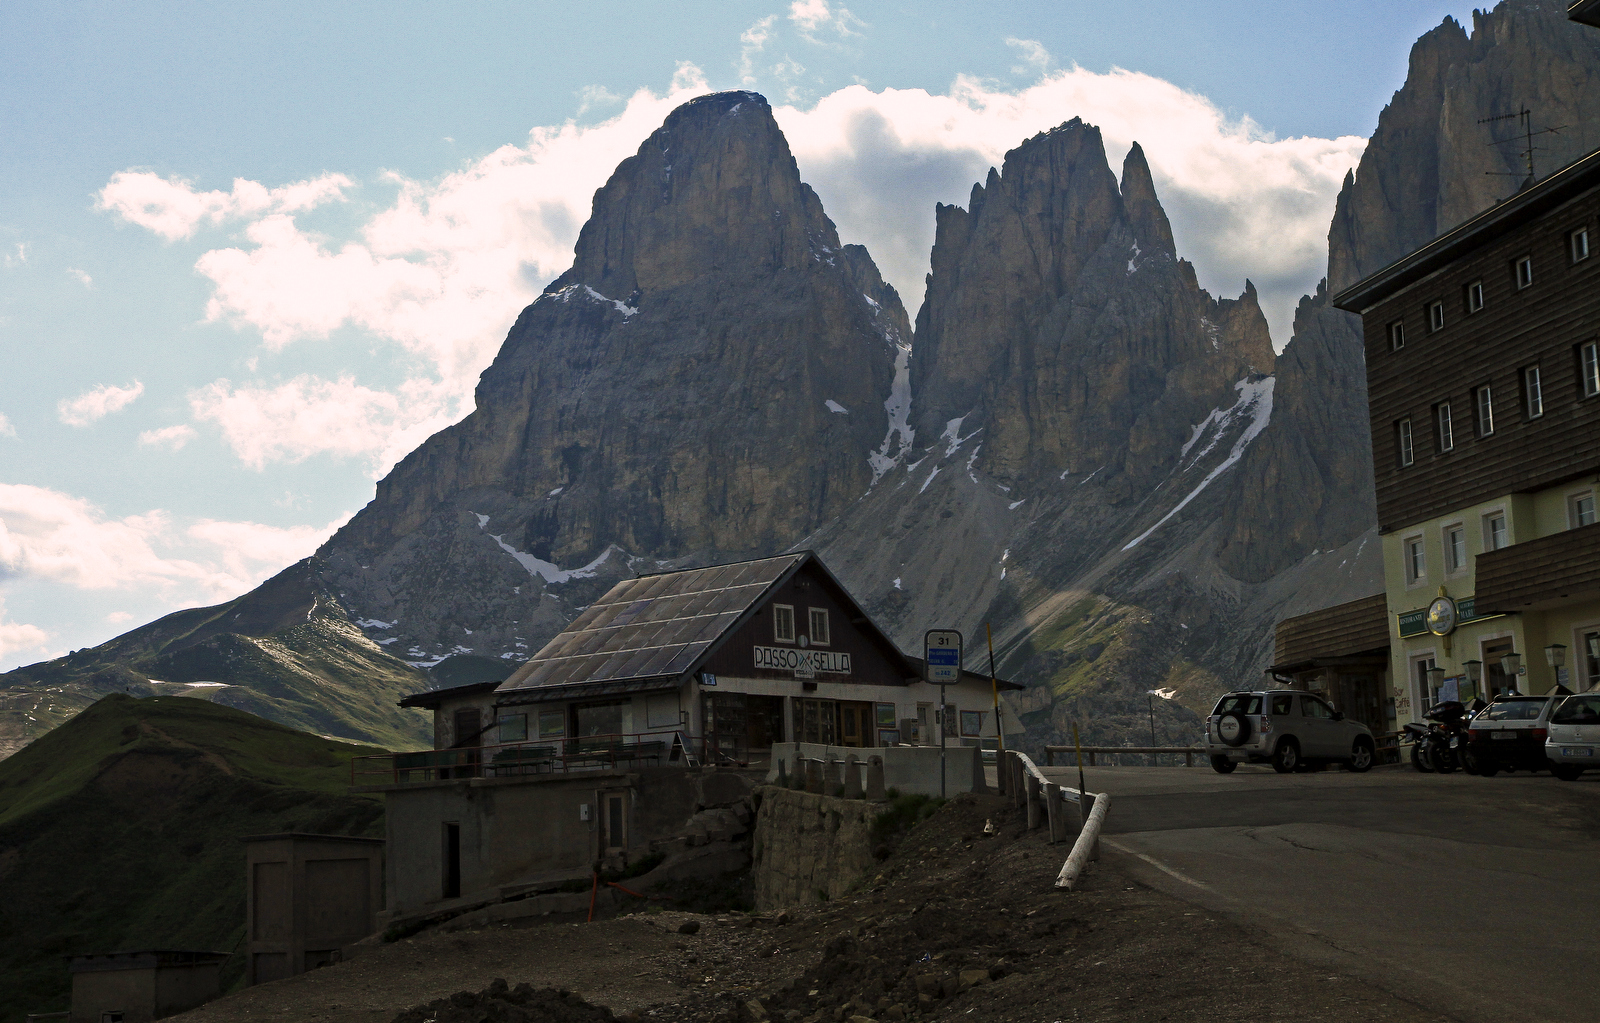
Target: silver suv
column 1287, row 728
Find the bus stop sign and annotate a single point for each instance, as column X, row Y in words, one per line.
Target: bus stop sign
column 941, row 656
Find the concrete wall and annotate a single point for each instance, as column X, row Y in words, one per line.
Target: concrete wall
column 144, row 993
column 524, row 827
column 910, row 769
column 806, row 845
column 308, row 897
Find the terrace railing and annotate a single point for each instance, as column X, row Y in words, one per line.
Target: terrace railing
column 557, row 755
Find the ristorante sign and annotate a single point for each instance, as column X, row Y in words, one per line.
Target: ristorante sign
column 804, row 663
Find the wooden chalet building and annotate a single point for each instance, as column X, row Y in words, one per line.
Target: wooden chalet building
column 1483, row 379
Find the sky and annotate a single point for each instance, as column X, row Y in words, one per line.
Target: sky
column 251, row 255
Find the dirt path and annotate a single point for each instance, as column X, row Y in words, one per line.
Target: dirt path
column 956, row 926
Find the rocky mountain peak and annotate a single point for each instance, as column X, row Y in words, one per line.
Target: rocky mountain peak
column 1145, row 215
column 714, row 189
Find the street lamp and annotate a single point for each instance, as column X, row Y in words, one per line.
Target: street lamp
column 1511, row 664
column 1555, row 655
column 1474, row 674
column 1435, row 680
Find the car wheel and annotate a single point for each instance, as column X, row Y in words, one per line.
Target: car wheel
column 1566, row 772
column 1287, row 757
column 1222, row 765
column 1443, row 758
column 1487, row 768
column 1361, row 757
column 1420, row 759
column 1233, row 728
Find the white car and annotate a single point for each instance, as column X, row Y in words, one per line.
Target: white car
column 1574, row 743
column 1287, row 728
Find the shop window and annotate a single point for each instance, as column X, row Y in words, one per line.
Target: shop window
column 513, row 727
column 1494, row 531
column 819, row 626
column 552, row 724
column 783, row 623
column 1443, row 428
column 1397, row 335
column 1416, row 560
column 1580, row 509
column 1483, row 401
column 1532, row 393
column 600, row 719
column 1455, row 548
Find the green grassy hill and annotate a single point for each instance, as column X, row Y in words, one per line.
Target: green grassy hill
column 286, row 650
column 120, row 830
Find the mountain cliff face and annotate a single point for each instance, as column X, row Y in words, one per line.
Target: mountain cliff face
column 707, row 381
column 1084, row 448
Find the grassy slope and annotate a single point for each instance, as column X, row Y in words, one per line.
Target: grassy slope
column 121, row 828
column 286, row 650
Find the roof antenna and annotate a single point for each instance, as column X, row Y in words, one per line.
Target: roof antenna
column 1526, row 137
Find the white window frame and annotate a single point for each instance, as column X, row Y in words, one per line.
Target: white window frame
column 1454, row 535
column 1589, row 368
column 1483, row 407
column 1414, row 553
column 1435, row 316
column 1578, row 657
column 1490, row 541
column 1523, row 269
column 823, row 636
column 1417, row 682
column 1532, row 392
column 1578, row 245
column 1575, row 503
column 1397, row 335
column 1444, row 427
column 1475, row 297
column 1407, row 453
column 782, row 614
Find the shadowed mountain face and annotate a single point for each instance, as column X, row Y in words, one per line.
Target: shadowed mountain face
column 1085, row 448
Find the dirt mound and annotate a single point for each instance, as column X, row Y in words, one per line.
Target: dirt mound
column 501, row 1003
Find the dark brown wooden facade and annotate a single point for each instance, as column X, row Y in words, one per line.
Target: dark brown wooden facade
column 1358, row 628
column 1544, row 322
column 1546, row 572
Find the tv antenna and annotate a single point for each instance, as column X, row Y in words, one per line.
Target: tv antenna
column 1526, row 137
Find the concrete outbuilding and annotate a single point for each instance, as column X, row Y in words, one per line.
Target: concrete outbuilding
column 134, row 987
column 309, row 896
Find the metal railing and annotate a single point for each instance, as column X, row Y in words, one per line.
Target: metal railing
column 1091, row 752
column 1021, row 779
column 555, row 755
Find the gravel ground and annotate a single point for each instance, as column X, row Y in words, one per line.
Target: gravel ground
column 955, row 926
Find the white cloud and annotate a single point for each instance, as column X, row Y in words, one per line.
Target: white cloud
column 173, row 208
column 16, row 257
column 591, row 96
column 6, row 429
column 97, row 403
column 1242, row 203
column 309, row 416
column 751, row 42
column 1035, row 58
column 16, row 637
column 52, row 537
column 173, row 437
column 442, row 271
column 811, row 16
column 82, row 277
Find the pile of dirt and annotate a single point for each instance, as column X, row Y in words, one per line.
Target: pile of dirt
column 502, row 1003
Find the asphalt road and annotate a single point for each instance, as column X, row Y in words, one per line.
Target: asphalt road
column 1477, row 897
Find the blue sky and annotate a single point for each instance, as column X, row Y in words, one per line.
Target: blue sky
column 251, row 254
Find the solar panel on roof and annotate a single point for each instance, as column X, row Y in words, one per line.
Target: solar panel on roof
column 653, row 625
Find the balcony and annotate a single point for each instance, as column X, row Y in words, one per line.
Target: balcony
column 1552, row 571
column 555, row 756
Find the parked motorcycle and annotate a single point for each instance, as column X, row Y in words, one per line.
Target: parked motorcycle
column 1441, row 745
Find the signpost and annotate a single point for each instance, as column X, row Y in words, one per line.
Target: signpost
column 941, row 666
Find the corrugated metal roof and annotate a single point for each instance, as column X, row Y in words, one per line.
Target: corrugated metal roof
column 653, row 626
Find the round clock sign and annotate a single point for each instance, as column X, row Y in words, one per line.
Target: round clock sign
column 1442, row 616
